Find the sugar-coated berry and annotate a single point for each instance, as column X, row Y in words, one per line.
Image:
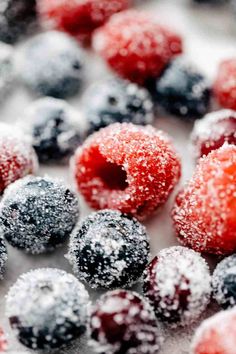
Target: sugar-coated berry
column 178, row 285
column 52, row 65
column 122, row 322
column 224, row 87
column 55, row 127
column 3, row 257
column 3, row 341
column 182, row 90
column 47, row 308
column 128, row 168
column 224, row 282
column 109, row 250
column 204, row 212
column 115, row 100
column 135, row 45
column 15, row 18
column 78, row 18
column 216, row 335
column 37, row 214
column 213, row 131
column 6, row 69
column 17, row 157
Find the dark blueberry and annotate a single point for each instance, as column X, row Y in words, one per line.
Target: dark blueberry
column 109, row 250
column 211, row 2
column 182, row 91
column 177, row 284
column 55, row 128
column 116, row 100
column 37, row 214
column 3, row 256
column 15, row 18
column 47, row 308
column 224, row 282
column 122, row 322
column 52, row 65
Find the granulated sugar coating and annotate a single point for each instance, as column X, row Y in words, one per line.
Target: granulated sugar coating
column 213, row 131
column 204, row 212
column 17, row 157
column 78, row 18
column 177, row 284
column 37, row 214
column 3, row 256
column 128, row 168
column 59, row 69
column 47, row 308
column 135, row 45
column 216, row 335
column 117, row 101
column 224, row 87
column 224, row 282
column 109, row 250
column 6, row 69
column 55, row 127
column 122, row 322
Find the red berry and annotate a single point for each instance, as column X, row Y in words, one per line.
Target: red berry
column 136, row 46
column 213, row 131
column 3, row 341
column 216, row 335
column 122, row 323
column 225, row 84
column 204, row 212
column 78, row 18
column 17, row 157
column 126, row 167
column 177, row 284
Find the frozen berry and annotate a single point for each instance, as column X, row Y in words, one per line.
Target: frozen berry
column 135, row 46
column 115, row 100
column 17, row 158
column 213, row 131
column 128, row 168
column 177, row 284
column 3, row 257
column 204, row 212
column 6, row 69
column 122, row 322
column 47, row 308
column 224, row 282
column 52, row 65
column 15, row 18
column 109, row 250
column 78, row 18
column 37, row 214
column 182, row 90
column 216, row 335
column 224, row 87
column 55, row 127
column 3, row 341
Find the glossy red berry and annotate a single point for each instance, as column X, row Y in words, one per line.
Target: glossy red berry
column 136, row 46
column 213, row 130
column 128, row 168
column 225, row 84
column 204, row 212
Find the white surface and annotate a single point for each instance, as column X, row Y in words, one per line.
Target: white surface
column 209, row 37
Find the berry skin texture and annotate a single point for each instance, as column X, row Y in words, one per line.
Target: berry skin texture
column 51, row 64
column 117, row 101
column 17, row 158
column 55, row 128
column 204, row 212
column 216, row 335
column 128, row 168
column 212, row 131
column 182, row 91
column 47, row 308
column 78, row 18
column 37, row 214
column 224, row 282
column 122, row 322
column 177, row 284
column 224, row 87
column 135, row 46
column 109, row 250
